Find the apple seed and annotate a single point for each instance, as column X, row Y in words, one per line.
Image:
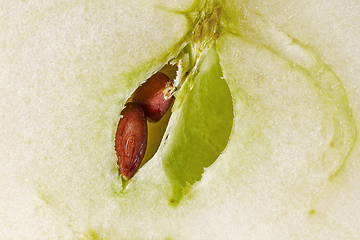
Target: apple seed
column 155, row 96
column 131, row 139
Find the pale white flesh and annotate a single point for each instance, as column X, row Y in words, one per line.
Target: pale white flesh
column 68, row 67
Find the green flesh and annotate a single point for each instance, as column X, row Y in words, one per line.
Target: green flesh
column 261, row 143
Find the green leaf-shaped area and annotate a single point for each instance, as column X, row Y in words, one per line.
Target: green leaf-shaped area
column 201, row 126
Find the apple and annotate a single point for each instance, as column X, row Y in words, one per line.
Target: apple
column 261, row 142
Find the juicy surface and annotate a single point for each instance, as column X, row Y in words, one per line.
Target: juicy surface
column 66, row 71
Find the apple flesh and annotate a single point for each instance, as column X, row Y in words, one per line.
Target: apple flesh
column 286, row 168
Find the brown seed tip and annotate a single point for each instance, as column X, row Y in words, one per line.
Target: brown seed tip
column 155, row 96
column 131, row 139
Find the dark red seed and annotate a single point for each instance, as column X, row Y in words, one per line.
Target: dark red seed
column 155, row 96
column 131, row 139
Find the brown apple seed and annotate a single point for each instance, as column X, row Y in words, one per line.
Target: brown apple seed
column 155, row 96
column 131, row 139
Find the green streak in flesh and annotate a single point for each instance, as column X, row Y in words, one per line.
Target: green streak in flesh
column 300, row 64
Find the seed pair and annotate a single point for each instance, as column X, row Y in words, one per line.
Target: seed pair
column 150, row 102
